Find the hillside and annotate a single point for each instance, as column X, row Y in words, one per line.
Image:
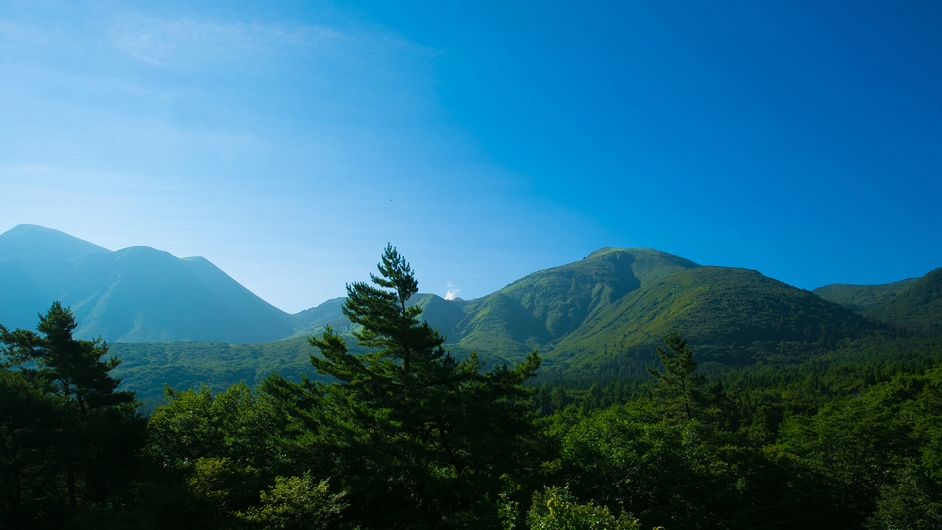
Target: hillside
column 545, row 306
column 137, row 294
column 146, row 367
column 861, row 298
column 918, row 307
column 732, row 316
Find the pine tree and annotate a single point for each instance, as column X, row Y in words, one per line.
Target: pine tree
column 97, row 426
column 681, row 389
column 420, row 436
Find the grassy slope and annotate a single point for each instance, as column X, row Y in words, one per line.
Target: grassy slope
column 918, row 307
column 733, row 316
column 544, row 307
column 861, row 298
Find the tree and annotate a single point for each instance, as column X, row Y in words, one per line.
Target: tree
column 419, row 436
column 556, row 509
column 682, row 391
column 97, row 429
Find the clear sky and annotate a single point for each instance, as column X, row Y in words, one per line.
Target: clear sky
column 289, row 142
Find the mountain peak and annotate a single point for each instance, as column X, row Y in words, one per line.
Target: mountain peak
column 138, row 293
column 34, row 238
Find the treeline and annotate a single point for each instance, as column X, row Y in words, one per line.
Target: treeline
column 409, row 437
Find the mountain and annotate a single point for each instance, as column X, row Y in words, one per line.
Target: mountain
column 860, row 298
column 604, row 312
column 35, row 265
column 545, row 306
column 137, row 294
column 618, row 302
column 918, row 306
column 729, row 315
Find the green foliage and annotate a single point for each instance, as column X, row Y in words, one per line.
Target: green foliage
column 918, row 307
column 556, row 509
column 68, row 437
column 680, row 388
column 881, row 451
column 860, row 298
column 837, row 428
column 417, row 435
column 224, row 486
column 236, row 424
column 296, row 503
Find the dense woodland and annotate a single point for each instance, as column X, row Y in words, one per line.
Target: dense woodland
column 398, row 434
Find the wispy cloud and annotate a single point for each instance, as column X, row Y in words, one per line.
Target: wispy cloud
column 452, row 292
column 190, row 43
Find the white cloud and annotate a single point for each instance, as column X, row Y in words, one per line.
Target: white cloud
column 452, row 292
column 189, row 43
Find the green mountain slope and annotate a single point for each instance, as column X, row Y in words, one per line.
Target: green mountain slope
column 314, row 320
column 732, row 316
column 861, row 298
column 545, row 306
column 918, row 307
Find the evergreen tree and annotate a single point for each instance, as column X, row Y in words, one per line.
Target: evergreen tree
column 97, row 431
column 419, row 436
column 681, row 389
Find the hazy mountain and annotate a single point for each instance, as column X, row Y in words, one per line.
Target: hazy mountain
column 137, row 294
column 325, row 314
column 35, row 269
column 440, row 313
column 860, row 298
column 918, row 307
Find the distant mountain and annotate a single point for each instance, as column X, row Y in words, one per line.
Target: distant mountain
column 918, row 307
column 860, row 298
column 326, row 314
column 35, row 268
column 137, row 294
column 441, row 314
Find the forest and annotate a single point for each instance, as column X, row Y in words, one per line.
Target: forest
column 401, row 434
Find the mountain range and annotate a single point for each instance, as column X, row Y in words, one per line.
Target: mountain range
column 136, row 294
column 608, row 309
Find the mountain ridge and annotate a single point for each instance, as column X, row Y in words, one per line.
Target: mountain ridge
column 135, row 294
column 608, row 309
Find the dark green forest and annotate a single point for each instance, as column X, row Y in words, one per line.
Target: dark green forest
column 397, row 431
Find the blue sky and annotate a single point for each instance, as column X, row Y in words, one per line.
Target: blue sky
column 289, row 142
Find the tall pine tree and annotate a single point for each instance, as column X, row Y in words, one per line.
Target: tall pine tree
column 418, row 436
